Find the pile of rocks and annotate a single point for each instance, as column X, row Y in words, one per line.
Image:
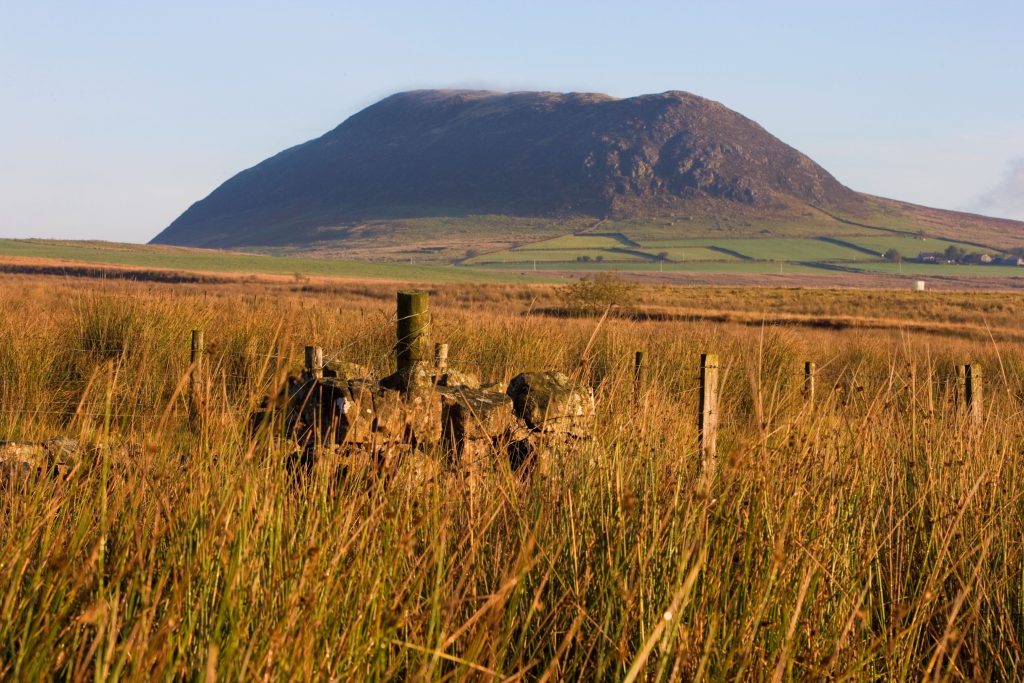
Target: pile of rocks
column 475, row 426
column 23, row 460
column 341, row 410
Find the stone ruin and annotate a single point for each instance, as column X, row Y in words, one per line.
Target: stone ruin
column 475, row 427
column 426, row 407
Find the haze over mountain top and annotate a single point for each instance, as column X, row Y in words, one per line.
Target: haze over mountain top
column 444, row 153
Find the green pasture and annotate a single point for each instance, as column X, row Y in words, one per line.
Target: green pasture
column 569, row 248
column 551, row 255
column 791, row 249
column 942, row 269
column 691, row 253
column 734, row 266
column 910, row 247
column 576, row 242
column 172, row 258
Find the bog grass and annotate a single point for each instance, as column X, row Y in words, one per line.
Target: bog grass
column 872, row 534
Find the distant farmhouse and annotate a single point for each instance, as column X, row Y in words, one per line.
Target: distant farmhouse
column 954, row 254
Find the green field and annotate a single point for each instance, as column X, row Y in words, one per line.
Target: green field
column 734, row 266
column 691, row 252
column 616, row 251
column 942, row 269
column 201, row 260
column 553, row 256
column 579, row 242
column 910, row 247
column 778, row 255
column 571, row 247
column 790, row 249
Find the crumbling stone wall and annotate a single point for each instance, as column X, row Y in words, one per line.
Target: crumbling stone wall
column 475, row 427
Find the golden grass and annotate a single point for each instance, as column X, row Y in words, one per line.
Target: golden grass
column 874, row 534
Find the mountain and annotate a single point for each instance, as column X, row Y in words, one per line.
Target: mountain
column 539, row 155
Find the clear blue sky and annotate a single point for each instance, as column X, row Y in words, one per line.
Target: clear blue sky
column 115, row 116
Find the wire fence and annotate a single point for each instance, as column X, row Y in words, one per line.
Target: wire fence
column 234, row 376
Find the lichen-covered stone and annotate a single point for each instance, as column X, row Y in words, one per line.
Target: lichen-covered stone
column 550, row 402
column 356, row 413
column 423, row 417
column 413, row 417
column 475, row 424
column 415, row 379
column 25, row 460
column 458, row 378
column 21, row 461
column 390, row 413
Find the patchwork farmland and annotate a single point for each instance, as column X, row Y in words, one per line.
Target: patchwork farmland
column 879, row 252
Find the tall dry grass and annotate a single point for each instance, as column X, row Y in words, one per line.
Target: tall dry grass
column 875, row 534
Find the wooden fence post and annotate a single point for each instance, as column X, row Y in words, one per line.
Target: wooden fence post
column 315, row 362
column 707, row 424
column 411, row 348
column 638, row 373
column 809, row 382
column 972, row 391
column 195, row 387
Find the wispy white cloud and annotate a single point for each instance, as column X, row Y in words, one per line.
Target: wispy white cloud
column 1005, row 199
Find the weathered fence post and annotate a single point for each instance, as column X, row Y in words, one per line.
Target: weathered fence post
column 411, row 348
column 441, row 358
column 638, row 373
column 972, row 391
column 315, row 362
column 195, row 387
column 707, row 424
column 809, row 381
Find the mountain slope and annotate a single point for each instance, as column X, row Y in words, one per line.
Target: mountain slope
column 532, row 154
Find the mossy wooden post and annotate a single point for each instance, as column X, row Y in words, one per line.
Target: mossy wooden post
column 441, row 358
column 315, row 362
column 972, row 392
column 195, row 385
column 809, row 382
column 411, row 348
column 707, row 423
column 638, row 373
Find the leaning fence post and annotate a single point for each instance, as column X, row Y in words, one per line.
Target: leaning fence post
column 809, row 381
column 195, row 378
column 315, row 361
column 707, row 424
column 411, row 350
column 638, row 373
